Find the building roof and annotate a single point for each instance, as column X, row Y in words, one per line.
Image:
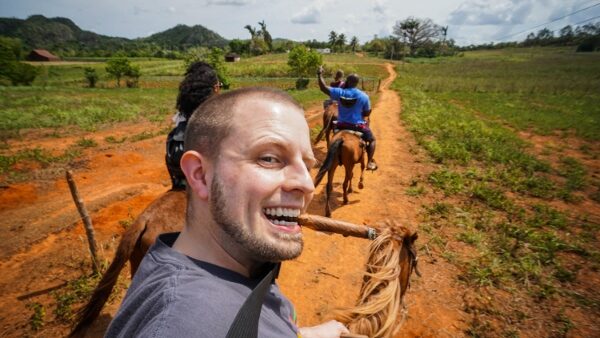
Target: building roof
column 45, row 53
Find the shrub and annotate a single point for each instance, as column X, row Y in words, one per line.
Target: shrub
column 91, row 76
column 304, row 62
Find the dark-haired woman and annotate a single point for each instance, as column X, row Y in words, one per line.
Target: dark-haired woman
column 199, row 84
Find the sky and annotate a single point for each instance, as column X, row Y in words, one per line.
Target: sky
column 468, row 21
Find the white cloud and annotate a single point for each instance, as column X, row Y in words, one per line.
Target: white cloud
column 309, row 15
column 477, row 12
column 379, row 8
column 171, row 9
column 229, row 2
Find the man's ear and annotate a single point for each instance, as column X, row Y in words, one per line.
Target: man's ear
column 195, row 166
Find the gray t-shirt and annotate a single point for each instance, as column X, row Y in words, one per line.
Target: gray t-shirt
column 173, row 295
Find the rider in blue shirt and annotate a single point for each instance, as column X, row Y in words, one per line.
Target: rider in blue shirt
column 353, row 107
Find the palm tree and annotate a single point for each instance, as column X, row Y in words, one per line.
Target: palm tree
column 251, row 30
column 341, row 41
column 332, row 39
column 265, row 34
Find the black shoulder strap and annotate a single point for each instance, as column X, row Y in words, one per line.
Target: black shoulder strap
column 245, row 324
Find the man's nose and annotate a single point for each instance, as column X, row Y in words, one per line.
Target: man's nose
column 298, row 178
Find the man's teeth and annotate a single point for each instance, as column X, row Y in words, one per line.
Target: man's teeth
column 285, row 212
column 284, row 223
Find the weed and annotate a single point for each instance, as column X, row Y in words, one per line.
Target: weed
column 471, row 236
column 415, row 191
column 114, row 140
column 565, row 323
column 448, row 181
column 492, row 197
column 143, row 136
column 479, row 328
column 36, row 321
column 76, row 290
column 439, row 208
column 86, row 143
column 574, row 172
column 544, row 215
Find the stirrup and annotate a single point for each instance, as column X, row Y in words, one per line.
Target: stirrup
column 372, row 166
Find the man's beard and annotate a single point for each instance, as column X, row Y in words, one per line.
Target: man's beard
column 288, row 246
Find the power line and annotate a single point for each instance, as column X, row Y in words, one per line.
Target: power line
column 590, row 19
column 554, row 20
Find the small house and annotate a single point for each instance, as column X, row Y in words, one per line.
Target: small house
column 232, row 57
column 41, row 55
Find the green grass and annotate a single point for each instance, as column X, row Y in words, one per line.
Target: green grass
column 37, row 107
column 547, row 90
column 466, row 112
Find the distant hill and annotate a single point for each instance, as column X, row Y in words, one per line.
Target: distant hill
column 37, row 31
column 184, row 36
column 63, row 36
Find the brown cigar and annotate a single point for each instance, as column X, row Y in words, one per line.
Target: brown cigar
column 321, row 223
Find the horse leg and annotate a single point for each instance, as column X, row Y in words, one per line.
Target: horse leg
column 328, row 189
column 362, row 171
column 347, row 183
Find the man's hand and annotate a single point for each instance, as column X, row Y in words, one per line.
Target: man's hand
column 330, row 329
column 320, row 70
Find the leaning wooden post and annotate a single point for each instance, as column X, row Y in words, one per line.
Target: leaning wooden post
column 87, row 221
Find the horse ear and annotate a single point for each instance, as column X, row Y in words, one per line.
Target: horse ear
column 414, row 236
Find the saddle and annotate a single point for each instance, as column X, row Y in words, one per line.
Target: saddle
column 337, row 130
column 358, row 134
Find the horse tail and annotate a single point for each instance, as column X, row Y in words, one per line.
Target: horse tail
column 87, row 314
column 331, row 154
column 326, row 126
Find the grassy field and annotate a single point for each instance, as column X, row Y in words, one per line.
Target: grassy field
column 59, row 99
column 516, row 209
column 59, row 96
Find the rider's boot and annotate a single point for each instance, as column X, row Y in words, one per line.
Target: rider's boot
column 371, row 165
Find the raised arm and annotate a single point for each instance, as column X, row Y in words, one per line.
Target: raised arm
column 322, row 84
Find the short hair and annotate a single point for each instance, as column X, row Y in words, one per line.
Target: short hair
column 352, row 81
column 196, row 87
column 211, row 122
column 339, row 74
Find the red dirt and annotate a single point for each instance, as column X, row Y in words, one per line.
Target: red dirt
column 43, row 245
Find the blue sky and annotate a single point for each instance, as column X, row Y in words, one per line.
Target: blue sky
column 469, row 21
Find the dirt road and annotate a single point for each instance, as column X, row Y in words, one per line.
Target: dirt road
column 42, row 244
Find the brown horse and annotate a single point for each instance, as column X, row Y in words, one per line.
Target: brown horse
column 347, row 148
column 330, row 115
column 165, row 214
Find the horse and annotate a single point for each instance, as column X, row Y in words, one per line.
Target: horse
column 330, row 115
column 347, row 148
column 165, row 214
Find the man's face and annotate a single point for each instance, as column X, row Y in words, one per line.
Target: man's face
column 262, row 181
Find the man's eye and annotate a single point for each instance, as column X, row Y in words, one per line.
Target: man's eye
column 269, row 159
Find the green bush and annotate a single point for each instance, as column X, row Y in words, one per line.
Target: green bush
column 18, row 73
column 302, row 83
column 91, row 76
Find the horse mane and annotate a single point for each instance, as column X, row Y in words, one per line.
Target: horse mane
column 392, row 259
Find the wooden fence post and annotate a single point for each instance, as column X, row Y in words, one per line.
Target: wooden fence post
column 87, row 221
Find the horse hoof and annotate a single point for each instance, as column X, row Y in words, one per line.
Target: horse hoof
column 345, row 202
column 360, row 185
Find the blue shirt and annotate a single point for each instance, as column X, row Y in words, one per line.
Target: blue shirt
column 344, row 97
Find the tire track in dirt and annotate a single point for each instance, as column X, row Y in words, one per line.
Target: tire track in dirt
column 329, row 272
